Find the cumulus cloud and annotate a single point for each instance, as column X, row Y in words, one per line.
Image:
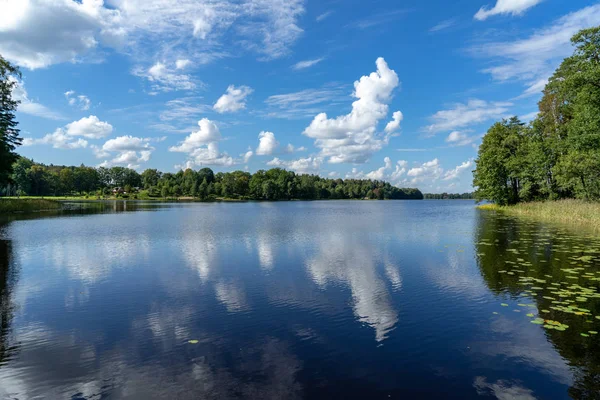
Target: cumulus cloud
column 431, row 171
column 166, row 78
column 29, row 106
column 129, row 151
column 394, row 124
column 80, row 101
column 455, row 173
column 463, row 115
column 308, row 165
column 458, row 138
column 233, row 100
column 39, row 33
column 58, row 140
column 353, row 138
column 64, row 138
column 533, row 59
column 89, row 127
column 267, row 144
column 388, row 172
column 306, row 64
column 202, row 147
column 512, row 7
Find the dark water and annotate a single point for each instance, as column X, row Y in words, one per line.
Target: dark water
column 296, row 300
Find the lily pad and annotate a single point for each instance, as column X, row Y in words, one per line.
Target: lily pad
column 193, row 341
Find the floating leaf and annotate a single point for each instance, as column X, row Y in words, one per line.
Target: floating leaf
column 504, row 305
column 194, row 341
column 530, row 315
column 584, row 335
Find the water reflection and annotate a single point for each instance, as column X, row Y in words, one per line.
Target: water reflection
column 291, row 300
column 8, row 277
column 510, row 252
column 348, row 259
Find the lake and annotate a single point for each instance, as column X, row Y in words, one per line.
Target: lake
column 296, row 300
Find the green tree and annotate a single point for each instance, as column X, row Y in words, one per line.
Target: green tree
column 9, row 134
column 497, row 174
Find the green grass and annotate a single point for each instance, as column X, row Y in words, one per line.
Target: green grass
column 27, row 205
column 577, row 213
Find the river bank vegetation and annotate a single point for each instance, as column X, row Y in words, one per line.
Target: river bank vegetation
column 33, row 179
column 557, row 155
column 28, row 205
column 577, row 213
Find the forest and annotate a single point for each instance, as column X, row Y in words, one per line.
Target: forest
column 557, row 155
column 33, row 179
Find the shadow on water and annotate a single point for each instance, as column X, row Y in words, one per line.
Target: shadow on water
column 554, row 276
column 9, row 275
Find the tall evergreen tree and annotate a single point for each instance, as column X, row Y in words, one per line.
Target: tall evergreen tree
column 9, row 134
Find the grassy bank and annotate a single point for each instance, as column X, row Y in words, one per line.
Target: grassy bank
column 571, row 212
column 27, row 205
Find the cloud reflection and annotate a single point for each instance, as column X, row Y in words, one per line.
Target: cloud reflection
column 345, row 258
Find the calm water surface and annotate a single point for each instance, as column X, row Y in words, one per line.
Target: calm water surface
column 299, row 300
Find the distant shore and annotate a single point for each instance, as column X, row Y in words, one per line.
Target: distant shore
column 576, row 213
column 31, row 204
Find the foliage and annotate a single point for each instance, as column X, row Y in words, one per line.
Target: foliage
column 448, row 196
column 27, row 205
column 576, row 213
column 557, row 156
column 276, row 184
column 9, row 134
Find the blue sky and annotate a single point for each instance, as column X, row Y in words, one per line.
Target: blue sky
column 386, row 89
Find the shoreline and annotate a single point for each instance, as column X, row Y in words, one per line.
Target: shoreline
column 32, row 204
column 572, row 213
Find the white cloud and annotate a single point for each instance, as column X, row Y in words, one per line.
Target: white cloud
column 267, row 144
column 384, row 173
column 129, row 151
column 512, row 7
column 58, row 139
column 202, row 147
column 164, row 78
column 31, row 107
column 529, row 116
column 89, row 127
column 455, row 173
column 324, row 16
column 458, row 138
column 432, row 171
column 308, row 165
column 429, row 170
column 394, row 124
column 39, row 33
column 182, row 64
column 247, row 156
column 233, row 100
column 80, row 101
column 532, row 60
column 306, row 64
column 304, row 103
column 353, row 138
column 443, row 25
column 63, row 138
column 208, row 132
column 463, row 115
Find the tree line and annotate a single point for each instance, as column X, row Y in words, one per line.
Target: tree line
column 34, row 179
column 557, row 155
column 449, row 196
